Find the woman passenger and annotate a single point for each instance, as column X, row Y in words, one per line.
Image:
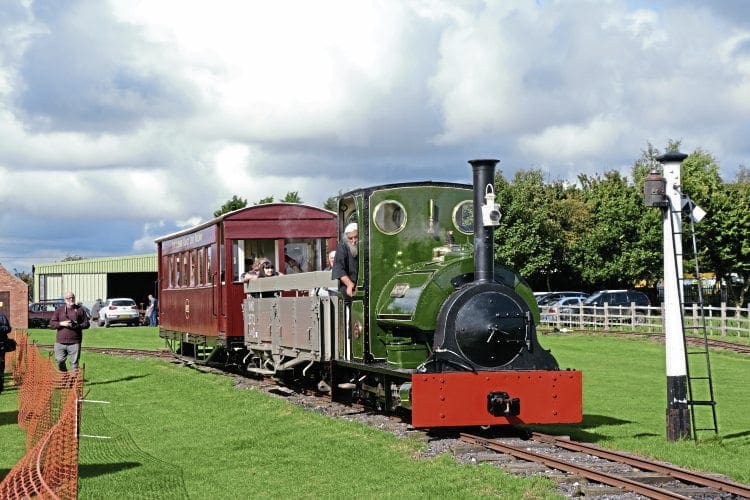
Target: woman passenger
column 262, row 268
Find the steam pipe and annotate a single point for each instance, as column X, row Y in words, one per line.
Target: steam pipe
column 484, row 246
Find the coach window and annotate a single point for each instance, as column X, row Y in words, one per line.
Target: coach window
column 239, row 255
column 303, row 255
column 185, row 268
column 170, row 270
column 389, row 217
column 177, row 274
column 258, row 248
column 193, row 267
column 463, row 217
column 177, row 270
column 209, row 268
column 199, row 266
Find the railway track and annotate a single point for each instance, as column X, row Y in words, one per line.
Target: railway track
column 118, row 351
column 623, row 472
column 721, row 344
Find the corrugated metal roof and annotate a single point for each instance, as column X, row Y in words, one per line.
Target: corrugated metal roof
column 124, row 264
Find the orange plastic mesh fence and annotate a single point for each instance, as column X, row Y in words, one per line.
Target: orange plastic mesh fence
column 49, row 411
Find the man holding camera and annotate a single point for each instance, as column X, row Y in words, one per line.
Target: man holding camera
column 70, row 320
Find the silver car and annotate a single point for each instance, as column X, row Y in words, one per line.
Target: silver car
column 560, row 311
column 119, row 311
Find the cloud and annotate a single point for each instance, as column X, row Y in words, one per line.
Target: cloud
column 150, row 117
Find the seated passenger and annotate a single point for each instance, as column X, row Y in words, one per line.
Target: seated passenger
column 263, row 268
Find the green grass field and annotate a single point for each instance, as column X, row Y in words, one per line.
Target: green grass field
column 169, row 431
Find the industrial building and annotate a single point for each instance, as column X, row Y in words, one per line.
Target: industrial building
column 131, row 276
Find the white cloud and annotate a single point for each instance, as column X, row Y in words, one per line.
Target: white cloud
column 168, row 108
column 570, row 142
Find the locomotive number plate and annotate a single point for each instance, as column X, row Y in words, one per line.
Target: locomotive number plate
column 399, row 290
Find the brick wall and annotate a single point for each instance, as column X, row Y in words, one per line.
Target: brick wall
column 18, row 309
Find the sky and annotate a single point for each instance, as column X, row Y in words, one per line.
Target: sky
column 125, row 120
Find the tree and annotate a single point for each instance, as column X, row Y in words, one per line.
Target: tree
column 263, row 201
column 27, row 278
column 292, row 197
column 611, row 254
column 331, row 203
column 231, row 205
column 526, row 237
column 724, row 235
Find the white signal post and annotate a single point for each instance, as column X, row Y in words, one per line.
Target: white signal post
column 678, row 413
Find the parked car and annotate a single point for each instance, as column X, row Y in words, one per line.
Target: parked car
column 618, row 305
column 41, row 312
column 120, row 310
column 550, row 297
column 562, row 310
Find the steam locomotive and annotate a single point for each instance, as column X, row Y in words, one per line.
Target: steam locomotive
column 436, row 328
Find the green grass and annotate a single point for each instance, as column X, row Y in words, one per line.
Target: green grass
column 625, row 402
column 176, row 432
column 173, row 432
column 142, row 337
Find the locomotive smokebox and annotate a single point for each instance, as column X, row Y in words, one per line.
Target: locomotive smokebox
column 484, row 182
column 485, row 324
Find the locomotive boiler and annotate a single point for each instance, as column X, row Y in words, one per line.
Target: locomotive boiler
column 436, row 328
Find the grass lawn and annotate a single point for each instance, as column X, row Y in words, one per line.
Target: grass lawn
column 141, row 337
column 169, row 431
column 625, row 402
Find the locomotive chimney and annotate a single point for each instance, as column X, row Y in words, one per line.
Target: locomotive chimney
column 484, row 247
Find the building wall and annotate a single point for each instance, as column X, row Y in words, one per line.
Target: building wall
column 87, row 287
column 92, row 279
column 14, row 295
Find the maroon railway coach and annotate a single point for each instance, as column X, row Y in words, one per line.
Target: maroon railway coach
column 200, row 270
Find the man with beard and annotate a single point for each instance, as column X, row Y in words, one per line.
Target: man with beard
column 345, row 268
column 346, row 263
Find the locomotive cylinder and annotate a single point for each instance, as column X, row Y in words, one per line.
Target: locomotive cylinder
column 484, row 251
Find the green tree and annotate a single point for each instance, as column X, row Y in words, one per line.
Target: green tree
column 610, row 254
column 231, row 205
column 331, row 203
column 263, row 201
column 724, row 236
column 570, row 220
column 292, row 197
column 528, row 235
column 27, row 278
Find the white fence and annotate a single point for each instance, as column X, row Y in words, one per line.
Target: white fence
column 721, row 321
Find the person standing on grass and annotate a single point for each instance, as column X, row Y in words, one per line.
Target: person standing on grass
column 4, row 331
column 70, row 320
column 152, row 310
